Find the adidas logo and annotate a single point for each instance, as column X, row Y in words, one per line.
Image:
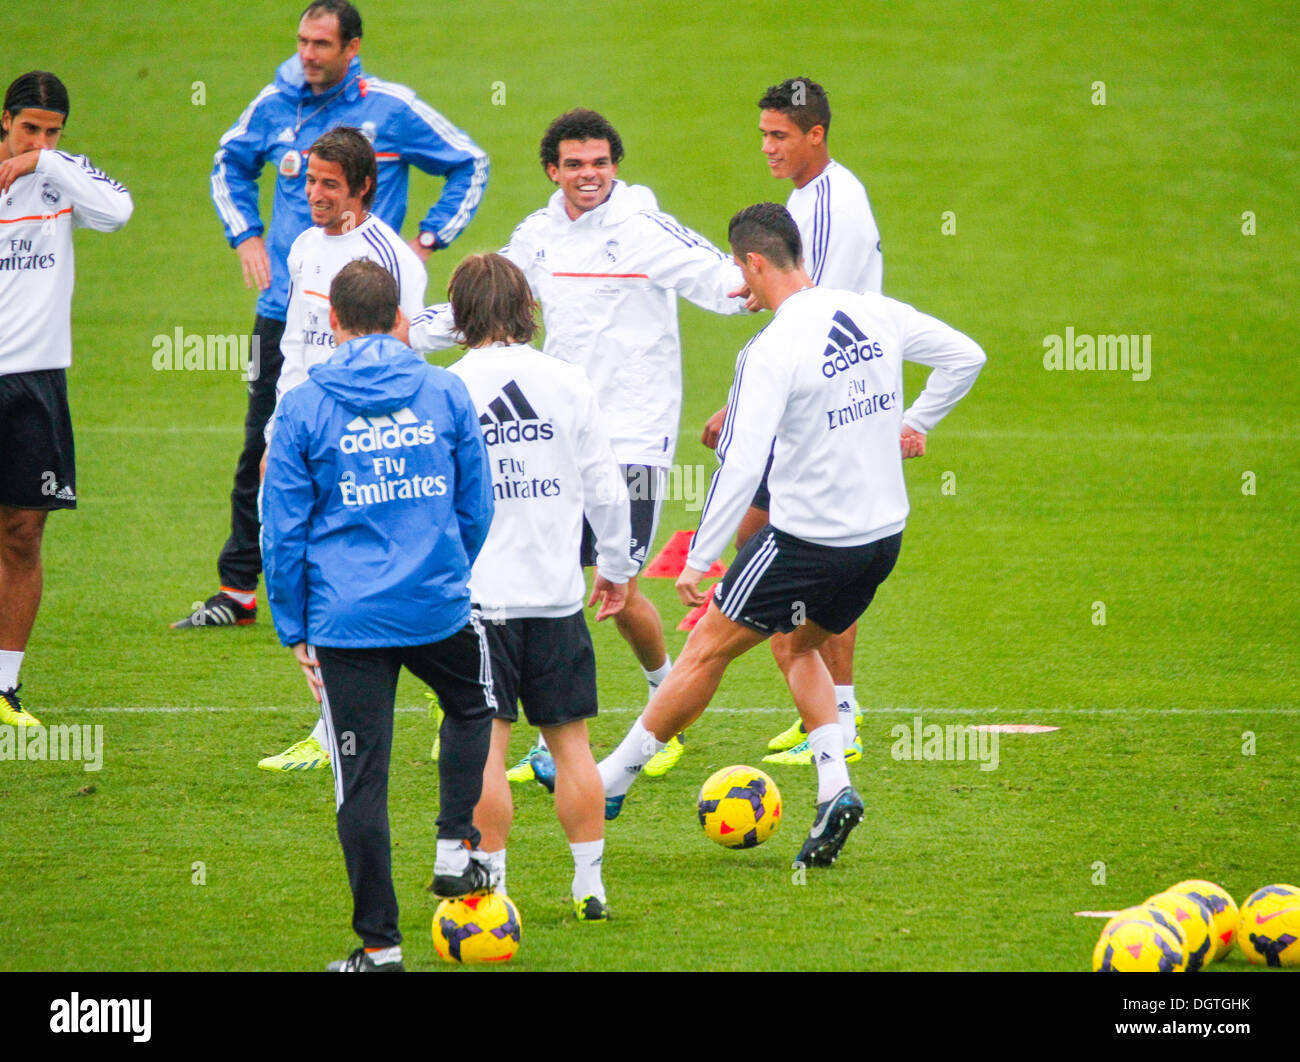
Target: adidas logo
column 511, row 418
column 847, row 345
column 387, row 432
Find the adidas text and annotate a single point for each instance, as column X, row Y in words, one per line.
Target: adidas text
column 514, row 431
column 390, row 438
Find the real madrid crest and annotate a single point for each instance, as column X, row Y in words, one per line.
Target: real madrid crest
column 49, row 194
column 290, row 163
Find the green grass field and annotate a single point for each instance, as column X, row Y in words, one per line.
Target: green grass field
column 1065, row 491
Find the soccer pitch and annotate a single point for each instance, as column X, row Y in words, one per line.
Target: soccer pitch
column 1108, row 552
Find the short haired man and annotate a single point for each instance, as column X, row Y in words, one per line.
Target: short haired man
column 825, row 380
column 44, row 194
column 842, row 250
column 340, row 190
column 377, row 500
column 607, row 267
column 551, row 462
column 321, row 87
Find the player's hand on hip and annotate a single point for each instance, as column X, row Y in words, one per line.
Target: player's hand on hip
column 423, row 253
column 688, row 587
column 255, row 262
column 912, row 442
column 310, row 667
column 18, row 166
column 612, row 597
column 713, row 429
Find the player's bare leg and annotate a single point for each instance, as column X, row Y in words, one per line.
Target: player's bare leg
column 839, row 808
column 837, row 652
column 495, row 809
column 580, row 807
column 798, row 655
column 641, row 628
column 579, row 798
column 22, row 576
column 679, row 701
column 21, row 584
column 22, row 579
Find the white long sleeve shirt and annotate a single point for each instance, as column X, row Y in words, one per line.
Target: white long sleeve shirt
column 551, row 461
column 841, row 243
column 315, row 259
column 825, row 378
column 37, row 216
column 608, row 285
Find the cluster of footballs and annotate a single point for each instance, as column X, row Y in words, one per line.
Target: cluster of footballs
column 1194, row 924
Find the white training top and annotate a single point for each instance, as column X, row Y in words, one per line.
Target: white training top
column 37, row 216
column 314, row 261
column 841, row 243
column 551, row 460
column 608, row 284
column 825, row 377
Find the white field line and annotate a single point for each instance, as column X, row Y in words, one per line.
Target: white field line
column 1002, row 713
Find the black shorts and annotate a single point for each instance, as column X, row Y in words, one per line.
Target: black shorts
column 546, row 664
column 38, row 466
column 777, row 581
column 763, row 496
column 645, row 490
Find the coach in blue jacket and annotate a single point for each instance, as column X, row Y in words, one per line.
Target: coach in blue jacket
column 378, row 497
column 319, row 89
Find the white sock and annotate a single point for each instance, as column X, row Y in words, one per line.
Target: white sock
column 497, row 861
column 452, row 857
column 318, row 732
column 620, row 768
column 541, row 741
column 247, row 598
column 828, row 754
column 847, row 706
column 10, row 662
column 587, row 856
column 380, row 956
column 660, row 673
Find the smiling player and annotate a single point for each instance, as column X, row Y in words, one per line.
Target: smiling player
column 607, row 267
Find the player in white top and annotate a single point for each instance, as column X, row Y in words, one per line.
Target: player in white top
column 44, row 195
column 824, row 380
column 341, row 177
column 841, row 246
column 551, row 462
column 607, row 267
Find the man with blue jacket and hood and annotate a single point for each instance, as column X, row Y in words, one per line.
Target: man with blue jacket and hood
column 377, row 500
column 318, row 89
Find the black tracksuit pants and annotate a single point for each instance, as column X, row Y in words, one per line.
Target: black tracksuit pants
column 240, row 561
column 360, row 688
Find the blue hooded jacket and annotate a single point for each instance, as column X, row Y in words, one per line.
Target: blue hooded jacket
column 278, row 129
column 377, row 499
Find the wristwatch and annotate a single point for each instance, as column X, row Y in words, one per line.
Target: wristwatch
column 427, row 240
